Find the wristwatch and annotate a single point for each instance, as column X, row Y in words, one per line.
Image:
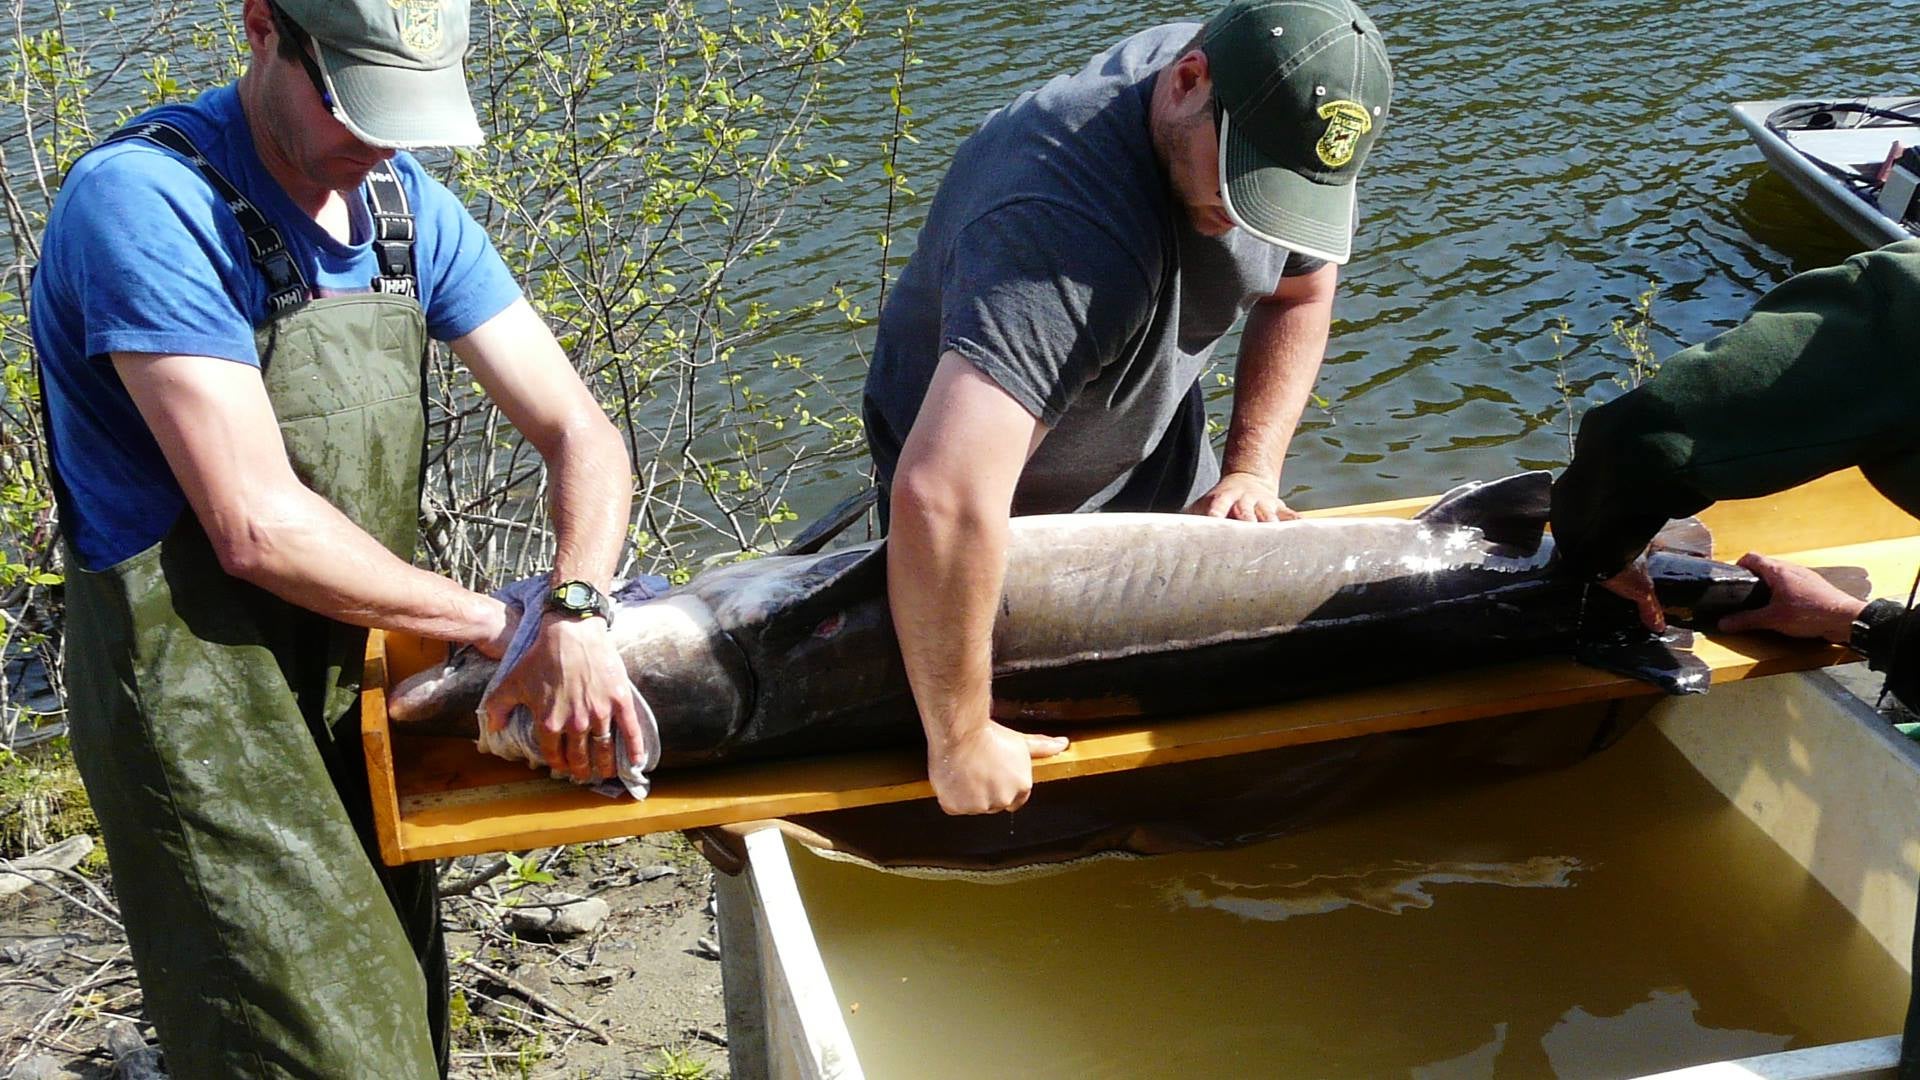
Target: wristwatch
column 580, row 600
column 1871, row 618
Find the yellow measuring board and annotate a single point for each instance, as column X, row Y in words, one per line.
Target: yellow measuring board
column 436, row 797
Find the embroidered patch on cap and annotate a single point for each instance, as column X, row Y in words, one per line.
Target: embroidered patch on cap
column 1346, row 122
column 421, row 27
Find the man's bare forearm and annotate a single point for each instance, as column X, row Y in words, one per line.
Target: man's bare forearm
column 522, row 367
column 302, row 549
column 297, row 546
column 946, row 562
column 945, row 566
column 592, row 501
column 1280, row 353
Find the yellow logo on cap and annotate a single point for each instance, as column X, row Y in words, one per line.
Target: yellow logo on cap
column 420, row 26
column 1346, row 122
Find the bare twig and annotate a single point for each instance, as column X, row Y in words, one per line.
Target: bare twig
column 466, row 885
column 535, row 997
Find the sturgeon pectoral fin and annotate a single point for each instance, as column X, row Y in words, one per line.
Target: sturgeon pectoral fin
column 1686, row 536
column 1663, row 661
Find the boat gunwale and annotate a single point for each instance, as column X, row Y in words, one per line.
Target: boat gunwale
column 1861, row 219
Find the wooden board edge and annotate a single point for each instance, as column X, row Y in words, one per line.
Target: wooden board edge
column 431, row 841
column 1799, row 518
column 1400, row 508
column 534, row 822
column 376, row 743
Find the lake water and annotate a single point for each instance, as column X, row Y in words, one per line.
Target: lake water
column 1543, row 161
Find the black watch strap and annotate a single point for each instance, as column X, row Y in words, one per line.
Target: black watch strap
column 580, row 599
column 1863, row 634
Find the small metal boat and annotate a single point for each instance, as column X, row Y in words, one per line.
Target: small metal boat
column 1841, row 153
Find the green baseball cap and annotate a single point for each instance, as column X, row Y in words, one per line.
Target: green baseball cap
column 1303, row 86
column 393, row 68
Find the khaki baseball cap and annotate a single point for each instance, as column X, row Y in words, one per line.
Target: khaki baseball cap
column 1304, row 87
column 393, row 68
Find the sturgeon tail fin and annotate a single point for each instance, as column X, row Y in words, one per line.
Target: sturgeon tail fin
column 1510, row 511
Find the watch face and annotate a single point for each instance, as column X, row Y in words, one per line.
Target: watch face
column 580, row 599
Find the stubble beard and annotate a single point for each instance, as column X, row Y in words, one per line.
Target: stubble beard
column 1181, row 145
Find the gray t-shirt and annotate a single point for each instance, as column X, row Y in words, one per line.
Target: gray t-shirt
column 1057, row 259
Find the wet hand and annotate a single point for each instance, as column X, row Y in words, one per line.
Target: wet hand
column 1244, row 497
column 497, row 624
column 1635, row 585
column 1803, row 604
column 987, row 770
column 573, row 682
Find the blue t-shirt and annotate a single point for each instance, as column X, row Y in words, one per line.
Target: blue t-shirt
column 142, row 255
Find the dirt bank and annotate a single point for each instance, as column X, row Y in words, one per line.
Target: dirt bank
column 638, row 996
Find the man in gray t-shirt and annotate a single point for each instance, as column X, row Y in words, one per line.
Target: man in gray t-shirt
column 1042, row 352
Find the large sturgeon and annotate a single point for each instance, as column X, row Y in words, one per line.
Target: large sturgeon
column 1120, row 615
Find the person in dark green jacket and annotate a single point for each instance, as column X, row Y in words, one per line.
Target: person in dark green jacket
column 1822, row 375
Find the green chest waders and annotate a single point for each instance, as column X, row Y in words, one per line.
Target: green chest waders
column 215, row 726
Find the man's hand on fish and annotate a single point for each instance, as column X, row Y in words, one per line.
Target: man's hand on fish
column 1635, row 585
column 1244, row 497
column 1803, row 604
column 575, row 684
column 497, row 626
column 988, row 769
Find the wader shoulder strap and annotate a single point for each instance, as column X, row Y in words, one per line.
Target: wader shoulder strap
column 287, row 287
column 392, row 232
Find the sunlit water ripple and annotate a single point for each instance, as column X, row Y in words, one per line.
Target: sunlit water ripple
column 1543, row 162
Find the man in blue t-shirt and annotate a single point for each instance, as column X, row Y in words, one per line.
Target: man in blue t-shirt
column 1042, row 353
column 230, row 314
